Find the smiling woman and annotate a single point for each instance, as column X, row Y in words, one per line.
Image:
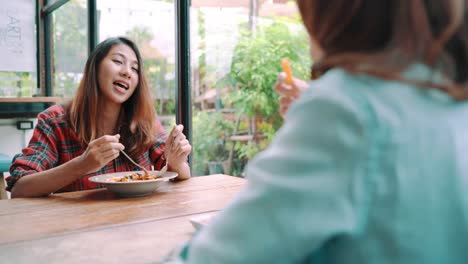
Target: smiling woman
column 118, row 74
column 111, row 111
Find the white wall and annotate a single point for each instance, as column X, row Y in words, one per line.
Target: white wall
column 13, row 140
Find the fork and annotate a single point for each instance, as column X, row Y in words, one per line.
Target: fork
column 164, row 169
column 136, row 164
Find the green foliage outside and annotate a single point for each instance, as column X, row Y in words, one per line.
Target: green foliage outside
column 254, row 70
column 19, row 84
column 256, row 64
column 211, row 129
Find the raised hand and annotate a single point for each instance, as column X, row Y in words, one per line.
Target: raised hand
column 177, row 148
column 288, row 92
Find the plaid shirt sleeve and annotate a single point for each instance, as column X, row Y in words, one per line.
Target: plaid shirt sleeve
column 156, row 152
column 41, row 153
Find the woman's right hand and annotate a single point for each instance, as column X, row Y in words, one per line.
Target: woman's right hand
column 100, row 152
column 288, row 93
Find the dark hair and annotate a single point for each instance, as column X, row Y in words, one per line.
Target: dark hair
column 384, row 37
column 137, row 112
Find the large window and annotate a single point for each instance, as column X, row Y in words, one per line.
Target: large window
column 236, row 51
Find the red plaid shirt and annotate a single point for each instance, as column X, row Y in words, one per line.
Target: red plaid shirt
column 54, row 143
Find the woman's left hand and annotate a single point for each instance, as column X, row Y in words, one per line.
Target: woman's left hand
column 177, row 148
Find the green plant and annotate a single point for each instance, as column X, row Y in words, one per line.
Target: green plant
column 256, row 63
column 254, row 70
column 211, row 129
column 168, row 106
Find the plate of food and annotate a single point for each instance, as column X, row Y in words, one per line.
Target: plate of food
column 133, row 183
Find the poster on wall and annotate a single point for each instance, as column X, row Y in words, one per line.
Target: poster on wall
column 17, row 37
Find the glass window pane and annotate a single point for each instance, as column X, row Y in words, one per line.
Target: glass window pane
column 18, row 84
column 150, row 24
column 70, row 46
column 237, row 47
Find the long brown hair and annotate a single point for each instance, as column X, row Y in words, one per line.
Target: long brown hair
column 137, row 117
column 384, row 37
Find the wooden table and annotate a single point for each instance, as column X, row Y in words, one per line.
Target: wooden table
column 96, row 226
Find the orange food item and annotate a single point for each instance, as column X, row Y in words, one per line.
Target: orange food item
column 287, row 69
column 134, row 177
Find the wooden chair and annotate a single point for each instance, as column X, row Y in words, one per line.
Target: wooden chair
column 5, row 162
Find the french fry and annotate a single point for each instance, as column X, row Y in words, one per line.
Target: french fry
column 287, row 69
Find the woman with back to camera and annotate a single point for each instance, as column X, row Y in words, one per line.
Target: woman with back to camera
column 371, row 164
column 111, row 111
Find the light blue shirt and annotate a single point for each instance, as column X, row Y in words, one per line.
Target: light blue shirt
column 363, row 171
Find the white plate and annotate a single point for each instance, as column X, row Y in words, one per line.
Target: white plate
column 132, row 188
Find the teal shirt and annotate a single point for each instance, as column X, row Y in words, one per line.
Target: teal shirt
column 363, row 171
